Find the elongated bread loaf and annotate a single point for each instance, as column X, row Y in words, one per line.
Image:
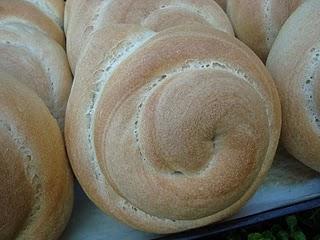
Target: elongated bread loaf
column 85, row 16
column 35, row 181
column 173, row 130
column 257, row 22
column 294, row 63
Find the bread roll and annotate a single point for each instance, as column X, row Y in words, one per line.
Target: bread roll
column 257, row 22
column 29, row 13
column 88, row 15
column 294, row 63
column 170, row 131
column 39, row 62
column 35, row 181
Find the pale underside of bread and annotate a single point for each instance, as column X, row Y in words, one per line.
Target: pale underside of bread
column 143, row 148
column 86, row 16
column 36, row 180
column 257, row 23
column 24, row 12
column 294, row 63
column 38, row 62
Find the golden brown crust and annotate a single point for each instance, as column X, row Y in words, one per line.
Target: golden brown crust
column 85, row 16
column 38, row 165
column 39, row 62
column 294, row 63
column 24, row 12
column 16, row 190
column 257, row 23
column 170, row 131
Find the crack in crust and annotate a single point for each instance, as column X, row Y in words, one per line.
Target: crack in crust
column 30, row 171
column 105, row 69
column 309, row 85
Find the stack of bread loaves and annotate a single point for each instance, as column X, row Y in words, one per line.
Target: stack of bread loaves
column 35, row 181
column 169, row 126
column 172, row 123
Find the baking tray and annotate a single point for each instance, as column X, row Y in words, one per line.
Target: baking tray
column 289, row 187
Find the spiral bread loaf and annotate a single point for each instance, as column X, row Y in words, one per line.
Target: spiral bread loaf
column 35, row 181
column 169, row 130
column 294, row 62
column 30, row 34
column 257, row 23
column 85, row 16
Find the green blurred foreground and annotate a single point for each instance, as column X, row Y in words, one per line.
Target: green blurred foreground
column 303, row 226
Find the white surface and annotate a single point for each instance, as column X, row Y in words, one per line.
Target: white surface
column 288, row 182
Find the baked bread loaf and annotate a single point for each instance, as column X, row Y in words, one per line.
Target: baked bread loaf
column 294, row 63
column 257, row 22
column 173, row 130
column 35, row 181
column 85, row 16
column 43, row 15
column 29, row 52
